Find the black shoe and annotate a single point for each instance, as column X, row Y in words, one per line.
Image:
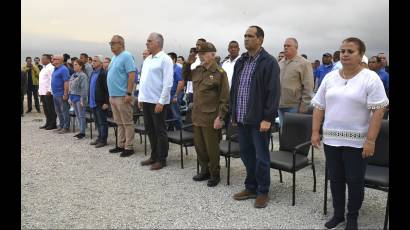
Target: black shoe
column 99, row 145
column 127, row 152
column 213, row 181
column 43, row 127
column 94, row 142
column 80, row 135
column 334, row 222
column 51, row 127
column 28, row 111
column 116, row 150
column 38, row 111
column 201, row 177
column 351, row 221
column 351, row 224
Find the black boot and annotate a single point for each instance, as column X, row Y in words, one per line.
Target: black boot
column 201, row 177
column 334, row 222
column 214, row 180
column 351, row 221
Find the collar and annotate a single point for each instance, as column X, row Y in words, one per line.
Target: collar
column 159, row 54
column 234, row 60
column 212, row 68
column 246, row 55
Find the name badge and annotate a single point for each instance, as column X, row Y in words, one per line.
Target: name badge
column 211, row 77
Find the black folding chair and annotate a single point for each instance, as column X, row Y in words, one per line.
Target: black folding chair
column 230, row 147
column 294, row 143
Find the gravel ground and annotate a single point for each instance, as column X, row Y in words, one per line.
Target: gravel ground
column 68, row 184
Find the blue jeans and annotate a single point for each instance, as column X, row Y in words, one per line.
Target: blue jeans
column 62, row 109
column 80, row 114
column 282, row 112
column 174, row 107
column 100, row 117
column 254, row 147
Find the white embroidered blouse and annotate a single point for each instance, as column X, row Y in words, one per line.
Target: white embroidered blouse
column 347, row 105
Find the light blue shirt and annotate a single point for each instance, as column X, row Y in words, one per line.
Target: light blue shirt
column 157, row 76
column 337, row 65
column 117, row 76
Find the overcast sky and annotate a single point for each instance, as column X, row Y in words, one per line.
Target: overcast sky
column 75, row 26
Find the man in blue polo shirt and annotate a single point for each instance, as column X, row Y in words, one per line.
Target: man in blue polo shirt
column 376, row 64
column 177, row 87
column 323, row 69
column 120, row 82
column 59, row 87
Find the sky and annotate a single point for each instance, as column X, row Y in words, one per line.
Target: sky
column 76, row 26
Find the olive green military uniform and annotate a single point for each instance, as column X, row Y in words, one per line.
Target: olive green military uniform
column 211, row 92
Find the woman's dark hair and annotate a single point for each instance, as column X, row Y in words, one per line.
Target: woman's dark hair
column 81, row 64
column 358, row 42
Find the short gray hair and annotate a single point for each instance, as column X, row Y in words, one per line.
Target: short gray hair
column 159, row 38
column 100, row 58
column 295, row 41
column 122, row 41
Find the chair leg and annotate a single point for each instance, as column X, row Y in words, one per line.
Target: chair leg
column 186, row 150
column 145, row 144
column 294, row 188
column 325, row 194
column 116, row 137
column 140, row 138
column 280, row 176
column 91, row 130
column 226, row 162
column 182, row 156
column 314, row 177
column 229, row 169
column 386, row 217
column 197, row 166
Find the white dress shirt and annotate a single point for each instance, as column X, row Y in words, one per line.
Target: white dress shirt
column 228, row 67
column 157, row 76
column 189, row 86
column 44, row 84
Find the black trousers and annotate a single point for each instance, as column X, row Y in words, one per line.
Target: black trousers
column 22, row 103
column 49, row 112
column 156, row 129
column 346, row 166
column 33, row 92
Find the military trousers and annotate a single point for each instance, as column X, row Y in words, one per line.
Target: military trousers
column 206, row 140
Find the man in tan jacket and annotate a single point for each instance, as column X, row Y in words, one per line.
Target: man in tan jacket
column 296, row 81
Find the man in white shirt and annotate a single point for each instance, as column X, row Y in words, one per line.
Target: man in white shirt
column 233, row 49
column 194, row 63
column 44, row 90
column 157, row 77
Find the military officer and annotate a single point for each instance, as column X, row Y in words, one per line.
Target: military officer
column 211, row 92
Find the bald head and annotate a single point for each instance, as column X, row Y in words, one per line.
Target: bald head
column 57, row 60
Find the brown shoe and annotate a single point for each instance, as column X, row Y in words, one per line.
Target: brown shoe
column 244, row 195
column 261, row 201
column 147, row 162
column 156, row 166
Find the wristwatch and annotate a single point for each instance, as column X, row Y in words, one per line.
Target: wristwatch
column 129, row 94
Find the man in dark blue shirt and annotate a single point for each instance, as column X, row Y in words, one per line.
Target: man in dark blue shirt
column 376, row 64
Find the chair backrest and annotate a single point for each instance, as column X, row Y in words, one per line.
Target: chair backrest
column 381, row 151
column 296, row 129
column 188, row 120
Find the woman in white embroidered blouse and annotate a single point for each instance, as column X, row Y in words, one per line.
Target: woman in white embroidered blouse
column 353, row 101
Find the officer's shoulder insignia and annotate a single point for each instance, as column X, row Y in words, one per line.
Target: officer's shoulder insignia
column 221, row 70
